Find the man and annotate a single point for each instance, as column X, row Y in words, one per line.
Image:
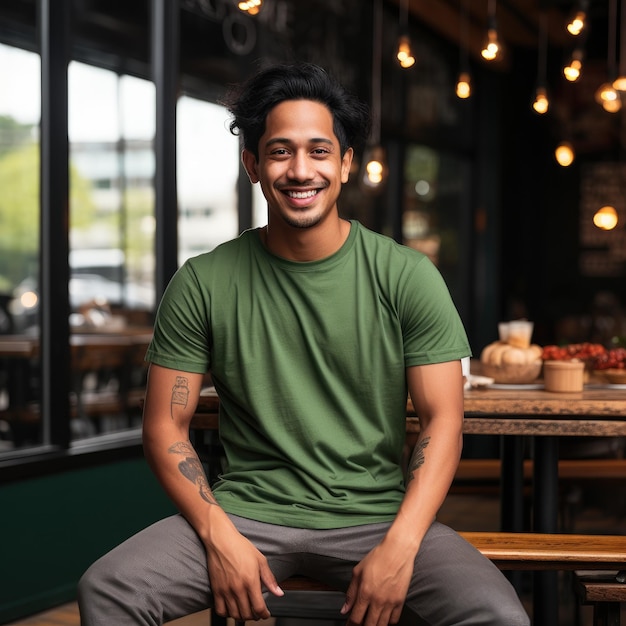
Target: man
column 313, row 329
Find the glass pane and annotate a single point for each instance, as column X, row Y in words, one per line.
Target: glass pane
column 112, row 210
column 137, row 106
column 111, row 127
column 435, row 194
column 207, row 170
column 20, row 110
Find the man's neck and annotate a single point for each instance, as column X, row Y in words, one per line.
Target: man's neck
column 306, row 244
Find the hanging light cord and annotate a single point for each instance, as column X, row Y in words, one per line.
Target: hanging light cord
column 491, row 9
column 405, row 14
column 464, row 37
column 612, row 39
column 543, row 51
column 376, row 71
column 622, row 45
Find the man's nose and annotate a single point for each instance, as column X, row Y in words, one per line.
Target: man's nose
column 300, row 167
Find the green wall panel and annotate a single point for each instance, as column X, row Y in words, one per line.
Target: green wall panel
column 53, row 527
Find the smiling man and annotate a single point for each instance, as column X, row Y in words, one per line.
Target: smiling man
column 314, row 329
column 300, row 173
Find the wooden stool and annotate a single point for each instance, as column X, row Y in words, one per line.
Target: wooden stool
column 604, row 593
column 304, row 598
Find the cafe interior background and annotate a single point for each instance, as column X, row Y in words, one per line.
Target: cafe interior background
column 116, row 165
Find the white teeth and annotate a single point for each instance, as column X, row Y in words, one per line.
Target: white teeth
column 301, row 195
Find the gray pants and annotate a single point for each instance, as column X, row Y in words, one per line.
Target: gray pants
column 161, row 574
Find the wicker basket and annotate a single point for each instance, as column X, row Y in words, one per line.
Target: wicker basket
column 514, row 374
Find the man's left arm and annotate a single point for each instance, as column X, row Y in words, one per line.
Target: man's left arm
column 381, row 580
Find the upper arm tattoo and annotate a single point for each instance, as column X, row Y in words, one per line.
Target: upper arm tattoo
column 191, row 468
column 417, row 458
column 180, row 394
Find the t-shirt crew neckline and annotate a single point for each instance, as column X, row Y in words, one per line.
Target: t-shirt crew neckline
column 308, row 266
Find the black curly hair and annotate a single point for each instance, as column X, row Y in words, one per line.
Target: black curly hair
column 251, row 102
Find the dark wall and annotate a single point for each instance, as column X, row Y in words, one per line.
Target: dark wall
column 53, row 527
column 540, row 204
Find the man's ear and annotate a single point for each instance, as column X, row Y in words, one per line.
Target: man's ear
column 346, row 165
column 250, row 163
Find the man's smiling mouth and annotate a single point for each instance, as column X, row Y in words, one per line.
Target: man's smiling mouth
column 302, row 195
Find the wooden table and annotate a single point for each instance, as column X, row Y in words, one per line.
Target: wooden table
column 92, row 350
column 597, row 411
column 543, row 416
column 27, row 346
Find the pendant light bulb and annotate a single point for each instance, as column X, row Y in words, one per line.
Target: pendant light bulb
column 464, row 86
column 609, row 98
column 564, row 154
column 576, row 25
column 404, row 55
column 375, row 169
column 492, row 47
column 573, row 70
column 541, row 103
column 251, row 7
column 606, row 218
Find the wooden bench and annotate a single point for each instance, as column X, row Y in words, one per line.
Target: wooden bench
column 509, row 551
column 489, row 470
column 522, row 551
column 576, row 478
column 603, row 591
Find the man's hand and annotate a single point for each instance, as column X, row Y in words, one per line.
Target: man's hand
column 237, row 571
column 379, row 586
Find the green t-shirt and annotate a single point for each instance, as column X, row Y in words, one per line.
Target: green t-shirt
column 309, row 363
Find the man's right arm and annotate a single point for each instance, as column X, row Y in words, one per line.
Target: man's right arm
column 236, row 568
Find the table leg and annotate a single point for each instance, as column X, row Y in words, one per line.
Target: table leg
column 512, row 494
column 24, row 426
column 512, row 484
column 546, row 484
column 545, row 520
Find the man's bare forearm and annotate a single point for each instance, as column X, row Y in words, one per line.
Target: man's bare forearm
column 417, row 458
column 191, row 468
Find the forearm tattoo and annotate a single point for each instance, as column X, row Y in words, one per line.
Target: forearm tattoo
column 191, row 468
column 417, row 458
column 180, row 394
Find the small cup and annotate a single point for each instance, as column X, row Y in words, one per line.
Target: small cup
column 563, row 376
column 465, row 368
column 503, row 331
column 520, row 333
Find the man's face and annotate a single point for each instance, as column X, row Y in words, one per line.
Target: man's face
column 300, row 167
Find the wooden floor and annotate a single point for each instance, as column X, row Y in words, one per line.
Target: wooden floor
column 67, row 615
column 466, row 512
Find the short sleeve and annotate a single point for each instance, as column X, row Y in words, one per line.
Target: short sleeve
column 182, row 331
column 432, row 328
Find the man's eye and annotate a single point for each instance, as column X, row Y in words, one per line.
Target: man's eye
column 321, row 151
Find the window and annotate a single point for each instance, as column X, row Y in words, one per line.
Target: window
column 434, row 205
column 111, row 127
column 111, row 289
column 111, row 120
column 207, row 174
column 20, row 109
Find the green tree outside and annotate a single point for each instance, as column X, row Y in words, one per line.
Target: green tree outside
column 19, row 211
